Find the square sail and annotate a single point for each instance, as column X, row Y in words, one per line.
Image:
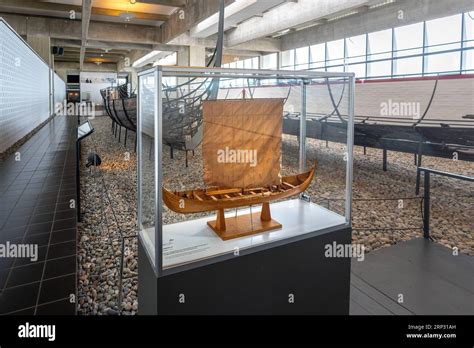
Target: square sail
column 242, row 142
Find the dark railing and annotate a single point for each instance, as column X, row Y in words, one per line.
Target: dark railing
column 426, row 194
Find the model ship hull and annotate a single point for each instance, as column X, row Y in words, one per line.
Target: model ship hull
column 199, row 200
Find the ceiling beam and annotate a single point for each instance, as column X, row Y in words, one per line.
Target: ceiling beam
column 93, row 44
column 289, row 15
column 194, row 12
column 63, row 10
column 260, row 45
column 85, row 21
column 67, row 29
column 174, row 3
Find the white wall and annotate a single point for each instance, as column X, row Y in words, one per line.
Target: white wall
column 100, row 80
column 24, row 88
column 59, row 89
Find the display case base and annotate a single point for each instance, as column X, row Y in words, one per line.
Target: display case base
column 242, row 225
column 293, row 277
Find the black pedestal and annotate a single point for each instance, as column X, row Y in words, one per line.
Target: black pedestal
column 290, row 279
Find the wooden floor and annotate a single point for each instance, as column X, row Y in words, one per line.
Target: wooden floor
column 427, row 275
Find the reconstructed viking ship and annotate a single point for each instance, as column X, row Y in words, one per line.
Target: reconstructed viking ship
column 242, row 164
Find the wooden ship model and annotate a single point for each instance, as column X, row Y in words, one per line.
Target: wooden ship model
column 242, row 164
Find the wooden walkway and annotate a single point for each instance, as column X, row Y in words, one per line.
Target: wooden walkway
column 428, row 276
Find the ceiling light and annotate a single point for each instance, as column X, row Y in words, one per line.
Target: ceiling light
column 98, row 62
column 343, row 16
column 143, row 60
column 281, row 33
column 382, row 4
column 127, row 16
column 133, row 2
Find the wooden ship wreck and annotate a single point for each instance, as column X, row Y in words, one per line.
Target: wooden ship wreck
column 242, row 164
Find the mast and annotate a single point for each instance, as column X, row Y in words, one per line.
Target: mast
column 219, row 50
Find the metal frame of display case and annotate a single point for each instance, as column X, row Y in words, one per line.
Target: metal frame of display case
column 187, row 72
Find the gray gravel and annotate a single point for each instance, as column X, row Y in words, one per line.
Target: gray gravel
column 377, row 223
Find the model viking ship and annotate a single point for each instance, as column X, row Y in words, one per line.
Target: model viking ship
column 242, row 163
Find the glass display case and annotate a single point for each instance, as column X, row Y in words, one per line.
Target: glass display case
column 232, row 161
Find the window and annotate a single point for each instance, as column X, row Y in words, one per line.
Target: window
column 469, row 29
column 288, row 60
column 380, row 44
column 468, row 60
column 357, row 69
column 443, row 62
column 302, row 58
column 270, row 61
column 386, row 53
column 356, row 49
column 248, row 63
column 408, row 40
column 356, row 55
column 444, row 33
column 408, row 66
column 317, row 56
column 335, row 55
column 379, row 54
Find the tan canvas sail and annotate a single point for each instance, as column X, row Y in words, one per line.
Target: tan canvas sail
column 242, row 142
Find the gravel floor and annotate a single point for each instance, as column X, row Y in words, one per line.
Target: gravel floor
column 385, row 208
column 109, row 217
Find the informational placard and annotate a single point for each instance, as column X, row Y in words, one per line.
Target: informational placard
column 84, row 130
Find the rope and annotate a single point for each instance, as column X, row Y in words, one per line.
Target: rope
column 429, row 103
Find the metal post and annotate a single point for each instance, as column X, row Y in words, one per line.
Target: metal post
column 426, row 207
column 302, row 145
column 158, row 146
column 418, row 164
column 384, row 160
column 350, row 149
column 417, row 185
column 78, row 180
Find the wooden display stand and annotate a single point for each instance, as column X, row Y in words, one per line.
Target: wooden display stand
column 243, row 225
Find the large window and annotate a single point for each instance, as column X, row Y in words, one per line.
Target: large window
column 301, row 58
column 408, row 40
column 468, row 44
column 270, row 61
column 356, row 49
column 440, row 46
column 317, row 57
column 408, row 49
column 444, row 33
column 335, row 54
column 288, row 60
column 379, row 54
